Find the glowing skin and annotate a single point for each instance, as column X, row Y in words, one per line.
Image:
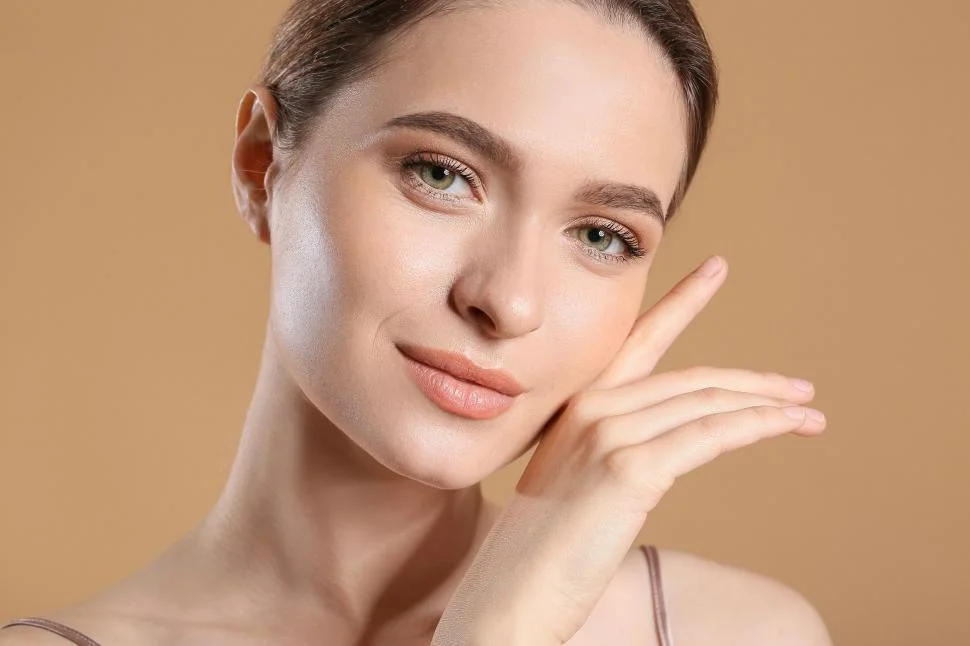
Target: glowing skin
column 375, row 487
column 353, row 507
column 364, row 258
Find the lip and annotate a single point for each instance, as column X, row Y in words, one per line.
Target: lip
column 445, row 378
column 464, row 369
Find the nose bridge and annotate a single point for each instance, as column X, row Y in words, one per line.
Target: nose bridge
column 502, row 287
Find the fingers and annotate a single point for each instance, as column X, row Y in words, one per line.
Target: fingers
column 656, row 330
column 663, row 386
column 700, row 407
column 597, row 404
column 687, row 447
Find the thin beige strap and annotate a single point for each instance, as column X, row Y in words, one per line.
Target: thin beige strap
column 60, row 630
column 656, row 587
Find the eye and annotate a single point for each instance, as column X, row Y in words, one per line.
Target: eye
column 601, row 239
column 435, row 174
column 609, row 241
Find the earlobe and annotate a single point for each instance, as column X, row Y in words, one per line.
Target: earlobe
column 253, row 161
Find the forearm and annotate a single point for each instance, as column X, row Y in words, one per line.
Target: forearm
column 495, row 629
column 504, row 595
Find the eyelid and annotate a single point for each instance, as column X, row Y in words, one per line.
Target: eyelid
column 634, row 243
column 433, row 157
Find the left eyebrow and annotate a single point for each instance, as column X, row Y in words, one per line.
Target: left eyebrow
column 624, row 196
column 465, row 131
column 500, row 151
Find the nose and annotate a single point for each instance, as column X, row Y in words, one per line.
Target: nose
column 500, row 289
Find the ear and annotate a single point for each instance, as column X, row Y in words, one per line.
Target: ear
column 253, row 162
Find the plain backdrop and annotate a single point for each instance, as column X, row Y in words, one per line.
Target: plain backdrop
column 133, row 298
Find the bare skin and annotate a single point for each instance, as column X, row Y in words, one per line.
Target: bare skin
column 354, row 506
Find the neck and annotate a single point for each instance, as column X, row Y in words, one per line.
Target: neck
column 312, row 525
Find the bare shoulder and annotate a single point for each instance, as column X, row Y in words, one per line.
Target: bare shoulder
column 708, row 603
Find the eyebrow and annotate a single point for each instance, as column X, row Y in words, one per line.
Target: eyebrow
column 499, row 151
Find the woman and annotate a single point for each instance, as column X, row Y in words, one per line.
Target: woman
column 462, row 202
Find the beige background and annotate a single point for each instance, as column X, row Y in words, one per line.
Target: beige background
column 133, row 298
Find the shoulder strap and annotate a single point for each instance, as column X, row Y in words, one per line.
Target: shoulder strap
column 656, row 587
column 60, row 630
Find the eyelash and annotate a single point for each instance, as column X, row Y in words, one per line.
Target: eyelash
column 634, row 250
column 409, row 162
column 435, row 159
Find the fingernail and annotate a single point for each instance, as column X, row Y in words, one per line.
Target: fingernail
column 711, row 267
column 801, row 384
column 795, row 412
column 815, row 415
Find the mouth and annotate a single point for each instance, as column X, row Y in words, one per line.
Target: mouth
column 465, row 369
column 458, row 385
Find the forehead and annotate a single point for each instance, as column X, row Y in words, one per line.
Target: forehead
column 572, row 92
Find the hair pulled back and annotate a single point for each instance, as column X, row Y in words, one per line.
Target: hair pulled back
column 321, row 46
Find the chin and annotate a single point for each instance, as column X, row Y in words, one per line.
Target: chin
column 414, row 438
column 442, row 476
column 437, row 473
column 438, row 455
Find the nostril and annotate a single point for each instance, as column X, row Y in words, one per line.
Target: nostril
column 481, row 317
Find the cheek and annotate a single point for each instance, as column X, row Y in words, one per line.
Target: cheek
column 307, row 280
column 591, row 329
column 391, row 254
column 349, row 251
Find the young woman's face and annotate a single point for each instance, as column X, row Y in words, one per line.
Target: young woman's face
column 433, row 233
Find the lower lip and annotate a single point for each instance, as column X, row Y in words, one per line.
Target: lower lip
column 456, row 396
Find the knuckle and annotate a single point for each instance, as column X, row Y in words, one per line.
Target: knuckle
column 711, row 394
column 619, row 466
column 709, row 424
column 765, row 414
column 581, row 408
column 681, row 289
column 584, row 402
column 626, row 470
column 601, row 436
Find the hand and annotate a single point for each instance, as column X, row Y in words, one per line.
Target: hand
column 603, row 462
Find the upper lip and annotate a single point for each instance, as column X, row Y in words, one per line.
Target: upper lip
column 464, row 368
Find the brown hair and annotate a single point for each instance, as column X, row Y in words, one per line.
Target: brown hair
column 322, row 45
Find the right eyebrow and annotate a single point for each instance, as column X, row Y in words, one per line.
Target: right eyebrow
column 462, row 129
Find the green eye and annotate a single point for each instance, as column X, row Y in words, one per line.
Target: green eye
column 599, row 238
column 437, row 177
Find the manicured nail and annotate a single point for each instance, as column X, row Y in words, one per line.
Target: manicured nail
column 711, row 267
column 801, row 384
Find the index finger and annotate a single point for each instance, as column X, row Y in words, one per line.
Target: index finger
column 657, row 328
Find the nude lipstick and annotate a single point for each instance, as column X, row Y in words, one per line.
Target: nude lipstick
column 457, row 385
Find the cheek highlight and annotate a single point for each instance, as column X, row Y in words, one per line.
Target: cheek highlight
column 588, row 331
column 307, row 284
